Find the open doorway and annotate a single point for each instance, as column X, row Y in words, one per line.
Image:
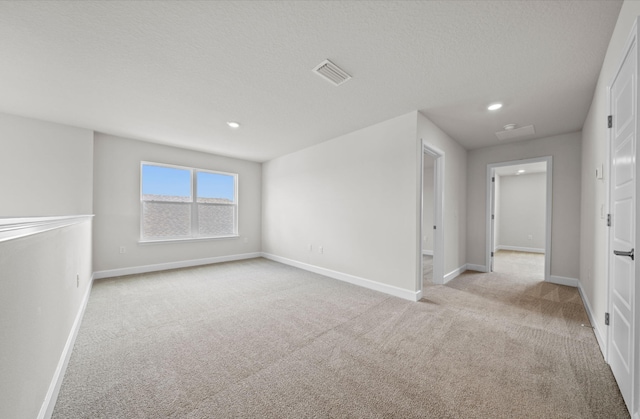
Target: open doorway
column 428, row 207
column 519, row 218
column 431, row 269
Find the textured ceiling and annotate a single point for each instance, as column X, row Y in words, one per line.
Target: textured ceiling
column 175, row 72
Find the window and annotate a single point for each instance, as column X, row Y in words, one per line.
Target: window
column 179, row 203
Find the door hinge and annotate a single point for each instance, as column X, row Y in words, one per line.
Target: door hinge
column 608, row 220
column 491, row 254
column 493, row 217
column 609, row 121
column 434, row 227
column 493, row 179
column 606, row 319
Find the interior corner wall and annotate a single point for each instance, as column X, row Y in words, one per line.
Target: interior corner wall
column 46, row 169
column 455, row 194
column 117, row 205
column 593, row 229
column 522, row 211
column 565, row 232
column 356, row 196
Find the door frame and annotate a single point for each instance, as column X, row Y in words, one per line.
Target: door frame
column 548, row 215
column 438, row 213
column 632, row 42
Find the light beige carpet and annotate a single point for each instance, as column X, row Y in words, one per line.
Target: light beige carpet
column 259, row 339
column 523, row 264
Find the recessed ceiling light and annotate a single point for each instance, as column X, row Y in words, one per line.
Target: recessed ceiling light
column 233, row 124
column 495, row 106
column 521, row 171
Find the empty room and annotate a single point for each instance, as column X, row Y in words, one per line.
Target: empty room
column 327, row 209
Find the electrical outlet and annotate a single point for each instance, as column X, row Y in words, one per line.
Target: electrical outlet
column 320, row 249
column 123, row 249
column 310, row 248
column 77, row 280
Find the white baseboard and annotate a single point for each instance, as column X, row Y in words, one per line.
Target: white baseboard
column 427, row 252
column 478, row 268
column 519, row 249
column 448, row 277
column 352, row 279
column 563, row 280
column 592, row 319
column 49, row 403
column 172, row 265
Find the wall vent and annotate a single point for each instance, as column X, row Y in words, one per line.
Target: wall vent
column 516, row 133
column 331, row 72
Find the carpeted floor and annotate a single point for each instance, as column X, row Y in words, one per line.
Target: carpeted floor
column 259, row 339
column 523, row 264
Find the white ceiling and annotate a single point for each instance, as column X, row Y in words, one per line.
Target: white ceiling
column 175, row 72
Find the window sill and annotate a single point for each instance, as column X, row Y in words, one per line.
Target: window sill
column 188, row 239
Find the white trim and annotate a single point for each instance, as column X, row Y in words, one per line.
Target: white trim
column 453, row 274
column 563, row 280
column 49, row 403
column 520, row 249
column 438, row 214
column 187, row 239
column 427, row 252
column 478, row 268
column 600, row 337
column 352, row 279
column 172, row 265
column 548, row 214
column 13, row 228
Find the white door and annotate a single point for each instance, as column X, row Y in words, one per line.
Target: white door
column 622, row 232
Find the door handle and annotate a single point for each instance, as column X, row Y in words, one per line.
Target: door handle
column 619, row 253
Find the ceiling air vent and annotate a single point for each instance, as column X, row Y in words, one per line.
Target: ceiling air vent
column 516, row 133
column 331, row 72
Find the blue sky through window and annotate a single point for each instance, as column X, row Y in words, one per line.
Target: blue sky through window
column 215, row 185
column 158, row 180
column 170, row 181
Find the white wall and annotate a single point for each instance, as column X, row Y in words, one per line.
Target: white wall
column 45, row 169
column 428, row 204
column 522, row 212
column 356, row 196
column 593, row 229
column 565, row 232
column 455, row 193
column 117, row 205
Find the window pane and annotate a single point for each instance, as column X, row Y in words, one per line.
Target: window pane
column 166, row 219
column 216, row 220
column 165, row 184
column 215, row 188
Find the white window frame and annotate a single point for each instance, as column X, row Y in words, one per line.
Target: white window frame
column 194, row 205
